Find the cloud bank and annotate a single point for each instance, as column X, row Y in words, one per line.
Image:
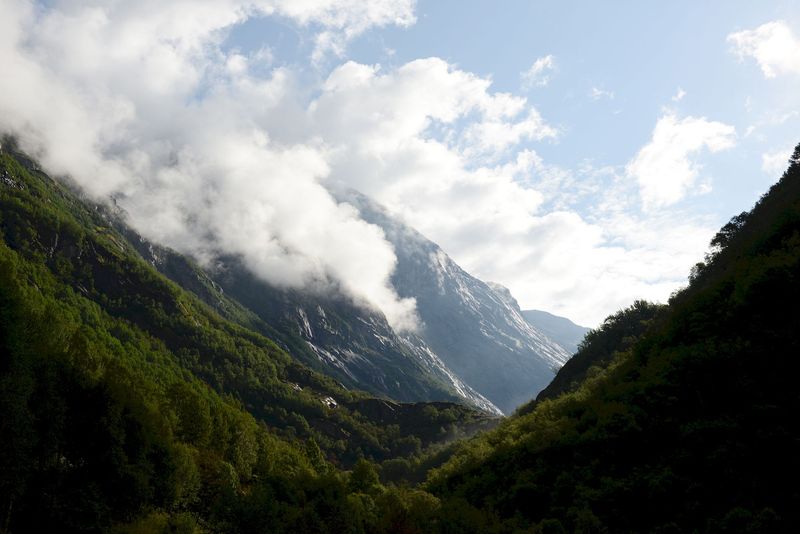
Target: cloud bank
column 772, row 45
column 139, row 102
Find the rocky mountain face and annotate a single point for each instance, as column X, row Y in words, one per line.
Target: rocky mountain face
column 473, row 344
column 475, row 328
column 352, row 344
column 559, row 329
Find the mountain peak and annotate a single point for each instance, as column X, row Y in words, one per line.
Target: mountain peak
column 474, row 327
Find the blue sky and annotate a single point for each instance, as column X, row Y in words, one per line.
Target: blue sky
column 616, row 69
column 641, row 52
column 582, row 154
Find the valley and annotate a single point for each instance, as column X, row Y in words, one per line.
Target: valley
column 203, row 405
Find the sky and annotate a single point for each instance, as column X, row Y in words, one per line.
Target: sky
column 582, row 154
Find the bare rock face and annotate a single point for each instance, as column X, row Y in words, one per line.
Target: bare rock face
column 473, row 345
column 475, row 328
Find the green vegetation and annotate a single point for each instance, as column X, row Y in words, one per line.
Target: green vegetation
column 692, row 428
column 617, row 334
column 130, row 406
column 127, row 402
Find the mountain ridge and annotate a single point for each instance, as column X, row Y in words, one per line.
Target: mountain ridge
column 476, row 331
column 356, row 345
column 684, row 419
column 560, row 329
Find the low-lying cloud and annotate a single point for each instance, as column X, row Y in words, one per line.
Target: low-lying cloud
column 139, row 102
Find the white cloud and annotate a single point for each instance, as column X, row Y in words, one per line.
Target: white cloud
column 138, row 100
column 384, row 112
column 343, row 20
column 493, row 136
column 538, row 75
column 587, row 266
column 517, row 221
column 772, row 45
column 212, row 151
column 679, row 95
column 775, row 162
column 596, row 94
column 664, row 168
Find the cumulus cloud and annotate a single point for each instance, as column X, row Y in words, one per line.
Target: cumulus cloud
column 425, row 110
column 538, row 75
column 343, row 20
column 679, row 95
column 398, row 137
column 406, row 147
column 585, row 250
column 776, row 161
column 772, row 45
column 664, row 168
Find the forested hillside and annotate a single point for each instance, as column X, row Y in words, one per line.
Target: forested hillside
column 129, row 405
column 126, row 400
column 618, row 333
column 690, row 428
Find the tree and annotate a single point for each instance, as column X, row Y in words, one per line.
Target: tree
column 729, row 231
column 363, row 478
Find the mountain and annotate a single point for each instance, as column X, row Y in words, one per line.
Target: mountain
column 560, row 329
column 473, row 344
column 618, row 333
column 328, row 332
column 131, row 405
column 476, row 329
column 686, row 418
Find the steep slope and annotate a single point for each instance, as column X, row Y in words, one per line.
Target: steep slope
column 692, row 429
column 477, row 331
column 353, row 344
column 350, row 342
column 560, row 329
column 473, row 344
column 618, row 333
column 122, row 394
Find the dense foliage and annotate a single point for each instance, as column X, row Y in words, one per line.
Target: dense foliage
column 127, row 401
column 618, row 333
column 691, row 428
column 129, row 405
